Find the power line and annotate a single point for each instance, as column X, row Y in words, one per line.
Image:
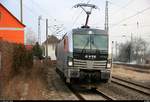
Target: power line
column 31, row 11
column 79, row 14
column 77, row 18
column 141, row 26
column 122, row 7
column 45, row 11
column 25, row 6
column 140, row 12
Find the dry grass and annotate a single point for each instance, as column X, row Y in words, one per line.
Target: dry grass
column 7, row 71
column 35, row 81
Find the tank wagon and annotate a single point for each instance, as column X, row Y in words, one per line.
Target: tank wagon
column 83, row 54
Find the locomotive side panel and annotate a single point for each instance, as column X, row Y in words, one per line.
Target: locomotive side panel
column 60, row 55
column 63, row 50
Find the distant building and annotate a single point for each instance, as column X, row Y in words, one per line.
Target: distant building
column 52, row 42
column 11, row 29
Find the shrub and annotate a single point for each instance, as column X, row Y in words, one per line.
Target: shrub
column 22, row 59
column 37, row 51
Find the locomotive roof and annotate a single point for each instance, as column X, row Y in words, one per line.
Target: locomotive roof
column 87, row 30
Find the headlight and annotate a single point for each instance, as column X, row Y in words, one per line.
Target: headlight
column 70, row 61
column 109, row 63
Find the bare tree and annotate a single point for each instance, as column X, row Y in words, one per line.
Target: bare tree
column 140, row 48
column 30, row 36
column 147, row 55
column 125, row 52
column 133, row 51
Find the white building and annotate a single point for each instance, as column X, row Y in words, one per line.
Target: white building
column 52, row 42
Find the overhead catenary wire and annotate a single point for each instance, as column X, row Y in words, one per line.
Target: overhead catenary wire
column 34, row 12
column 133, row 25
column 46, row 13
column 30, row 10
column 27, row 8
column 122, row 7
column 43, row 10
column 129, row 17
column 72, row 7
column 77, row 17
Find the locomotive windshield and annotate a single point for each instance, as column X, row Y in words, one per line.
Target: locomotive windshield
column 94, row 41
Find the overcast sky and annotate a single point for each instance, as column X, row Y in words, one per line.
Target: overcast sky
column 123, row 16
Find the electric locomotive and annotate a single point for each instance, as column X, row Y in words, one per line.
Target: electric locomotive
column 83, row 54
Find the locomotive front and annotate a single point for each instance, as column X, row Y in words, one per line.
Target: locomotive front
column 89, row 59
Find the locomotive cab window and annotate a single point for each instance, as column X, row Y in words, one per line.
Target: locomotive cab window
column 94, row 41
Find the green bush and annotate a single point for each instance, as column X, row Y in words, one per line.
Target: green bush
column 37, row 51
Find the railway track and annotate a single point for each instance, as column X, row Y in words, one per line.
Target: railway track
column 106, row 96
column 135, row 66
column 138, row 68
column 93, row 94
column 136, row 87
column 76, row 93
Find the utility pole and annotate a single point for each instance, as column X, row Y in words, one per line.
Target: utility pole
column 116, row 48
column 39, row 29
column 112, row 48
column 21, row 11
column 137, row 30
column 106, row 18
column 46, row 38
column 131, row 49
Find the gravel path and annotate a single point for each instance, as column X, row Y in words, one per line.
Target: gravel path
column 122, row 93
column 55, row 83
column 139, row 77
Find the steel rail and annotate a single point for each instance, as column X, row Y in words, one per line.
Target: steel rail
column 81, row 96
column 106, row 96
column 148, row 88
column 138, row 68
column 77, row 94
column 135, row 87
